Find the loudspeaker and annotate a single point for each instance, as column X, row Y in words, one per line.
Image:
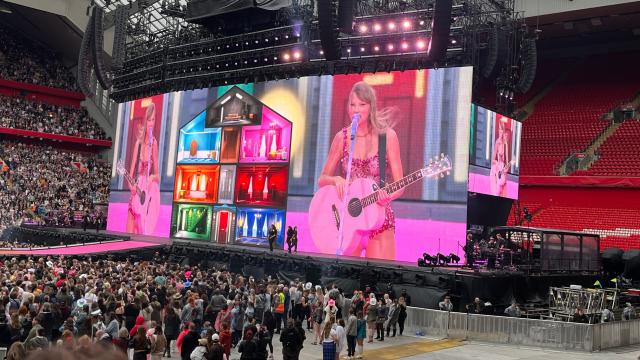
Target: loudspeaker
column 328, row 29
column 345, row 16
column 440, row 27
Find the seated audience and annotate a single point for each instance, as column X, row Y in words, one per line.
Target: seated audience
column 48, row 186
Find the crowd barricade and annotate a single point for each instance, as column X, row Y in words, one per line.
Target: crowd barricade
column 521, row 331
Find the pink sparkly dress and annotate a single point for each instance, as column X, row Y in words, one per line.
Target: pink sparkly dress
column 368, row 168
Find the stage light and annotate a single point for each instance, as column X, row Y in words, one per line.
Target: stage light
column 377, row 27
column 390, row 47
column 297, row 55
column 349, row 50
column 405, row 46
column 406, row 24
column 276, row 38
column 361, row 49
column 421, row 22
column 453, row 41
column 286, row 36
column 286, row 57
column 321, row 52
column 392, row 26
column 421, row 44
column 376, row 48
column 363, row 28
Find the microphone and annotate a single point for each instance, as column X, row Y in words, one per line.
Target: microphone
column 354, row 125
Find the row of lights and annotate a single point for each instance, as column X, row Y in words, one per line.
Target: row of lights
column 418, row 45
column 390, row 26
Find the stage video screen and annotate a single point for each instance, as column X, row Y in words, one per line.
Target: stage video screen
column 250, row 164
column 495, row 153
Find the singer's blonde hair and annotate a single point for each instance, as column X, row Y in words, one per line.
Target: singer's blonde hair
column 380, row 120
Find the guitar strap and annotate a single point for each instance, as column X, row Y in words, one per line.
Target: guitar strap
column 382, row 158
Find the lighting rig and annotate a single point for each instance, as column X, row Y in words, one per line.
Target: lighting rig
column 167, row 50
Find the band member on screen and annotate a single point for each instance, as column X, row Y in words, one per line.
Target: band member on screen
column 144, row 170
column 500, row 162
column 362, row 100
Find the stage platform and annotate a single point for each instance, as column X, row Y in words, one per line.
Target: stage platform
column 426, row 285
column 128, row 243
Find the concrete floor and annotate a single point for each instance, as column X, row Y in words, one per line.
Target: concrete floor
column 422, row 348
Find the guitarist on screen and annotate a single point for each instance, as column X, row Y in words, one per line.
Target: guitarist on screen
column 144, row 176
column 379, row 243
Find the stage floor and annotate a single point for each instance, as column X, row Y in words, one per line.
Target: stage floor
column 135, row 242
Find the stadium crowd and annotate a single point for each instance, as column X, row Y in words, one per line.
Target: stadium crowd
column 29, row 115
column 48, row 185
column 23, row 60
column 155, row 308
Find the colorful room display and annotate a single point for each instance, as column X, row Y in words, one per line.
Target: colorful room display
column 227, row 184
column 191, row 221
column 232, row 173
column 224, row 224
column 197, row 144
column 196, row 183
column 234, row 108
column 262, row 185
column 230, row 143
column 253, row 226
column 267, row 142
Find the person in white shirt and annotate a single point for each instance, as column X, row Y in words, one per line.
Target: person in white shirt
column 341, row 336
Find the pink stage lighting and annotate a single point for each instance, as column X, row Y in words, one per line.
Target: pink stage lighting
column 390, row 47
column 392, row 26
column 406, row 24
column 286, row 57
column 297, row 55
column 421, row 44
column 405, row 46
column 376, row 48
column 363, row 28
column 377, row 27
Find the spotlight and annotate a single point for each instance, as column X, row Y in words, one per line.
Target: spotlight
column 363, row 28
column 276, row 38
column 376, row 48
column 392, row 26
column 377, row 27
column 453, row 41
column 321, row 52
column 361, row 49
column 421, row 22
column 405, row 46
column 349, row 50
column 421, row 44
column 406, row 24
column 390, row 47
column 286, row 57
column 297, row 55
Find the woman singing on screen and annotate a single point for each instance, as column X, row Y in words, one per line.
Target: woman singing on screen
column 143, row 212
column 500, row 163
column 380, row 243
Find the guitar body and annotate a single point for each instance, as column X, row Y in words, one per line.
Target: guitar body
column 325, row 211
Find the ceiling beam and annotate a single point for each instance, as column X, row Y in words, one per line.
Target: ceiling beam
column 134, row 8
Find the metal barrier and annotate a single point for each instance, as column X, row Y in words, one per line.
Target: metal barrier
column 523, row 332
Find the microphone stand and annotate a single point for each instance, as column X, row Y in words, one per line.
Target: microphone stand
column 345, row 195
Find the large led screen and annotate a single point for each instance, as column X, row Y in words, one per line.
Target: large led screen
column 424, row 116
column 495, row 154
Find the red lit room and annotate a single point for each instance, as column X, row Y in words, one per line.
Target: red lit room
column 196, row 184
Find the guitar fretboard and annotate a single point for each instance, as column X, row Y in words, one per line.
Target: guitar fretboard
column 393, row 187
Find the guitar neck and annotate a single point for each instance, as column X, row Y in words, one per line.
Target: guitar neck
column 393, row 187
column 128, row 177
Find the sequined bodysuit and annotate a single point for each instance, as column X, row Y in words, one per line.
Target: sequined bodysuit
column 368, row 168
